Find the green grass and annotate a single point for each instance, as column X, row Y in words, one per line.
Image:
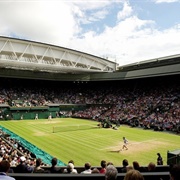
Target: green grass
column 93, row 145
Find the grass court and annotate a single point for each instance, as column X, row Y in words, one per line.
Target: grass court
column 94, row 144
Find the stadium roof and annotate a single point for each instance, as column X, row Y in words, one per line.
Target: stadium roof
column 35, row 56
column 157, row 62
column 35, row 60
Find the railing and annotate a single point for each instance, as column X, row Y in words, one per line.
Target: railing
column 45, row 176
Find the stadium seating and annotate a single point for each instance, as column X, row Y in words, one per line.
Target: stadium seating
column 159, row 168
column 162, row 171
column 34, row 176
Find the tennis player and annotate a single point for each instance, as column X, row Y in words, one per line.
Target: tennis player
column 125, row 141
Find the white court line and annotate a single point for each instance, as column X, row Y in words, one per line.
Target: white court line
column 129, row 144
column 143, row 141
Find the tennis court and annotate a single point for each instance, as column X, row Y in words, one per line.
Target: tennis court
column 82, row 143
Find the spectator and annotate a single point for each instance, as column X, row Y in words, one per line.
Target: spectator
column 111, row 173
column 87, row 167
column 159, row 159
column 125, row 164
column 71, row 165
column 4, row 168
column 22, row 167
column 70, row 169
column 53, row 168
column 14, row 161
column 128, row 168
column 38, row 168
column 136, row 166
column 109, row 163
column 175, row 172
column 95, row 171
column 151, row 167
column 103, row 167
column 133, row 175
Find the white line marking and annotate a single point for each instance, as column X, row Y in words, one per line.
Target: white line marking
column 129, row 144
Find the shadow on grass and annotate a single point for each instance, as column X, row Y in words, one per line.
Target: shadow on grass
column 115, row 151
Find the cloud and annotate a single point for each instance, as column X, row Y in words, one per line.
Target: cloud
column 49, row 22
column 74, row 24
column 166, row 1
column 132, row 40
column 93, row 4
column 126, row 12
column 100, row 14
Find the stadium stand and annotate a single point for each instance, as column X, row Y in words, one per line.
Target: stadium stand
column 143, row 94
column 147, row 176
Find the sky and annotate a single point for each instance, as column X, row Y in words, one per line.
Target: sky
column 122, row 31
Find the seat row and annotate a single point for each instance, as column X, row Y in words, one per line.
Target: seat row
column 120, row 176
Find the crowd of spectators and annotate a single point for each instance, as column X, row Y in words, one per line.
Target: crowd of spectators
column 155, row 104
column 158, row 106
column 15, row 154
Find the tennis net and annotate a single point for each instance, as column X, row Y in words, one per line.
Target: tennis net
column 73, row 128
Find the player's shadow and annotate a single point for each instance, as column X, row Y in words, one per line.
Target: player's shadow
column 115, row 151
